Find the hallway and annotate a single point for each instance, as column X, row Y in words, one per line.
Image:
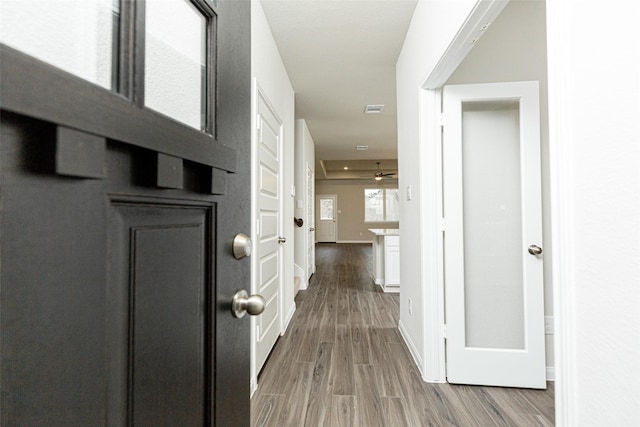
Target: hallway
column 342, row 362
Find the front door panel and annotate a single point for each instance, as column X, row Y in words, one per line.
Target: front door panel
column 168, row 298
column 116, row 265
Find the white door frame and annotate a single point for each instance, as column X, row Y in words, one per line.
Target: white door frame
column 430, row 93
column 430, row 154
column 258, row 93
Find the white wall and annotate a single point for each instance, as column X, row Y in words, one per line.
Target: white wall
column 433, row 27
column 594, row 106
column 269, row 72
column 514, row 48
column 305, row 155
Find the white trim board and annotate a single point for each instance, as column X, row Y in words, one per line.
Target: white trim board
column 412, row 348
column 561, row 173
column 480, row 18
column 551, row 373
column 288, row 318
column 353, row 241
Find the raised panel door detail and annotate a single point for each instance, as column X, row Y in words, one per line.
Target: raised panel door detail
column 167, row 336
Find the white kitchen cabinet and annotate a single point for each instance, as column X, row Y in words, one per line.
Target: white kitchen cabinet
column 386, row 258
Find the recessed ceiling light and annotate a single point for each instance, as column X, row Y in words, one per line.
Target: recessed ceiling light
column 362, row 147
column 373, row 109
column 346, row 168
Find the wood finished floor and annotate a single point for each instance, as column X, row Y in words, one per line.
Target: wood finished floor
column 342, row 362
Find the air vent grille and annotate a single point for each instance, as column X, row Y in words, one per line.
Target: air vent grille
column 362, row 147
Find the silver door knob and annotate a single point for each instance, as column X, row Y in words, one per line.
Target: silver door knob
column 282, row 239
column 535, row 250
column 242, row 304
column 312, row 229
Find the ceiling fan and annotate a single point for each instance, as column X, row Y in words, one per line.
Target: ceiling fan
column 379, row 174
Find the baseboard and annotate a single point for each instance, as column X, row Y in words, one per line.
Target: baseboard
column 353, row 241
column 412, row 348
column 304, row 285
column 551, row 373
column 296, row 285
column 254, row 386
column 287, row 321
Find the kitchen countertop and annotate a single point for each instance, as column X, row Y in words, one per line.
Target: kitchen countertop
column 385, row 231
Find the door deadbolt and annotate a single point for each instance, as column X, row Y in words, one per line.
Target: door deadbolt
column 241, row 246
column 242, row 304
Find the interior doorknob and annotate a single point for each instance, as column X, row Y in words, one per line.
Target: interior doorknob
column 242, row 304
column 282, row 239
column 535, row 250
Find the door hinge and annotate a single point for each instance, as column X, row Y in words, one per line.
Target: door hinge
column 258, row 333
column 444, row 331
column 442, row 119
column 258, row 121
column 443, row 224
column 257, row 227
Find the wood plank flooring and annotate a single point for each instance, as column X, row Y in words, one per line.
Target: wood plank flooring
column 342, row 362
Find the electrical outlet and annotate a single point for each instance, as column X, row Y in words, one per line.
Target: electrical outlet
column 548, row 325
column 410, row 307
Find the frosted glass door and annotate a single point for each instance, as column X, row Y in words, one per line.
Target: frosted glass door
column 492, row 204
column 492, row 224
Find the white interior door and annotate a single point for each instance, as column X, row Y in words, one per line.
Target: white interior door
column 311, row 240
column 326, row 218
column 268, row 248
column 492, row 205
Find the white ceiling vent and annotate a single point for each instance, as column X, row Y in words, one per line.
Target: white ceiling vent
column 362, row 147
column 373, row 109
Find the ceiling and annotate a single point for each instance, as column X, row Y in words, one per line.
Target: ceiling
column 340, row 56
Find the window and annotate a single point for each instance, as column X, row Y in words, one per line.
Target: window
column 176, row 61
column 78, row 36
column 158, row 54
column 326, row 209
column 381, row 205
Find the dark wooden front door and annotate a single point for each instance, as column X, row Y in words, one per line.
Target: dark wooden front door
column 116, row 267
